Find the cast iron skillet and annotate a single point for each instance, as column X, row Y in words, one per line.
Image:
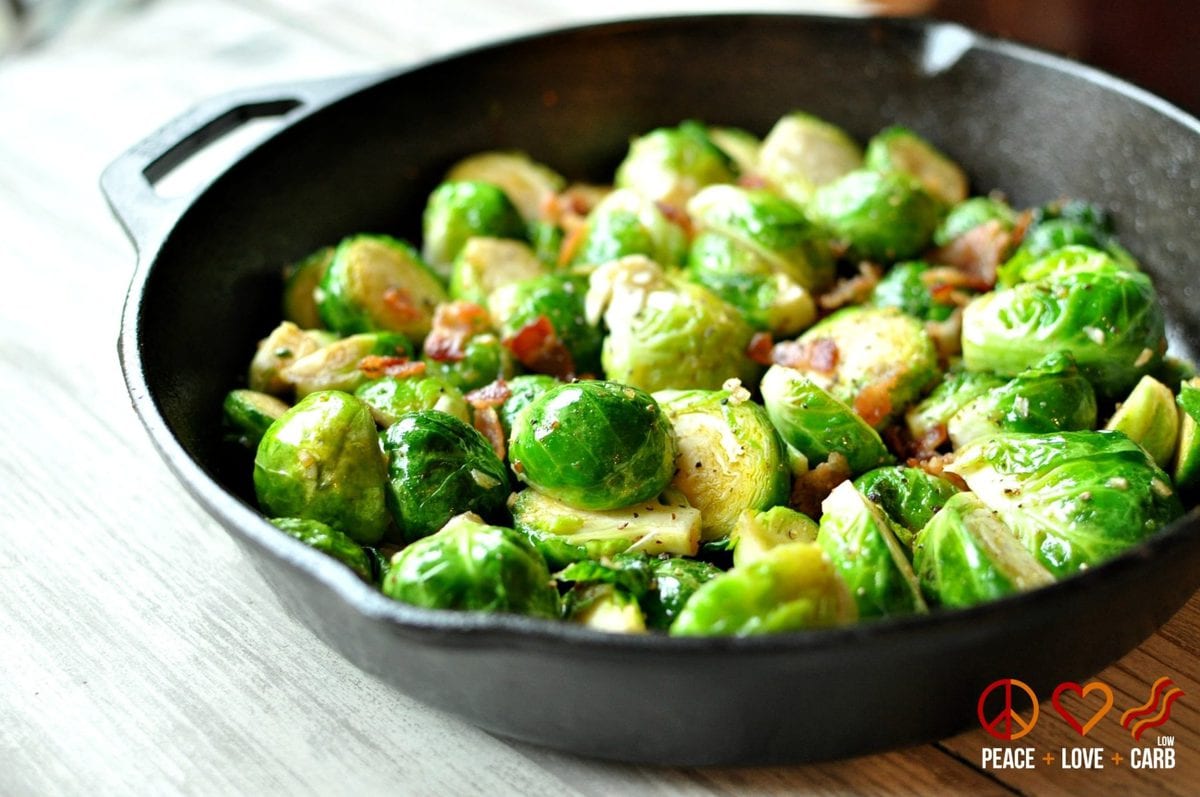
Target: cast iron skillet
column 361, row 154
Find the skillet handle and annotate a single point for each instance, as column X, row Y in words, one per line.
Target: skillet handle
column 128, row 182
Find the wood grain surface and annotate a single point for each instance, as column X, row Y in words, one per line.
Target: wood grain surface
column 139, row 652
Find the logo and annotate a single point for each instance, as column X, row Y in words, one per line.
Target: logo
column 1154, row 712
column 1007, row 725
column 1083, row 692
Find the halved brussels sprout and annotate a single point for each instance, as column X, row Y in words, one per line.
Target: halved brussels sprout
column 594, row 445
column 390, row 397
column 966, row 555
column 439, row 467
column 741, row 146
column 546, row 319
column 859, row 539
column 671, row 164
column 1109, row 320
column 1187, row 458
column 1061, row 262
column 300, row 281
column 879, row 217
column 927, row 421
column 337, row 366
column 1149, row 418
column 286, row 344
column 755, row 533
column 626, row 223
column 898, row 149
column 459, row 210
column 330, row 541
column 909, row 497
column 469, row 565
column 485, row 264
column 1051, row 396
column 915, row 288
column 660, row 585
column 522, row 392
column 665, row 333
column 816, row 424
column 321, row 461
column 376, row 283
column 565, row 534
column 877, row 360
column 971, row 213
column 484, row 360
column 1073, row 223
column 603, row 607
column 249, row 413
column 790, row 588
column 524, row 181
column 1074, row 499
column 729, row 456
column 802, row 153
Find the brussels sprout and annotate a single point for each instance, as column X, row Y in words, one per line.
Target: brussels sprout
column 802, row 153
column 1060, row 225
column 439, row 467
column 755, row 533
column 880, row 217
column 338, row 365
column 660, row 585
column 300, row 281
column 882, row 360
column 913, row 287
column 626, row 223
column 1149, row 418
column 665, row 333
column 1187, row 459
column 524, row 181
column 522, row 392
column 898, row 149
column 816, row 424
column 909, row 497
column 1074, row 499
column 1109, row 320
column 790, row 588
column 286, row 344
column 376, row 283
column 390, row 397
column 859, row 539
column 321, row 461
column 485, row 264
column 972, row 213
column 484, row 360
column 249, row 414
column 966, row 555
column 927, row 420
column 469, row 565
column 1059, row 262
column 772, row 227
column 330, row 541
column 557, row 298
column 603, row 607
column 564, row 534
column 669, row 165
column 594, row 445
column 766, row 298
column 459, row 210
column 741, row 146
column 1051, row 396
column 729, row 456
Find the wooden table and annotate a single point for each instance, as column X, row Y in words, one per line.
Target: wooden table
column 139, row 652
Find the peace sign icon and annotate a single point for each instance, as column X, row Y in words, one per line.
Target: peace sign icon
column 1006, row 725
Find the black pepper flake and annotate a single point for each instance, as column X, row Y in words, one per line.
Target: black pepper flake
column 635, row 514
column 699, row 464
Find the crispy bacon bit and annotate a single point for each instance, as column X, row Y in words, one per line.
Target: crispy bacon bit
column 487, row 421
column 759, row 348
column 538, row 347
column 399, row 303
column 874, row 402
column 852, row 290
column 571, row 243
column 818, row 354
column 454, row 323
column 677, row 216
column 813, row 487
column 1021, row 227
column 753, row 181
column 374, row 366
column 492, row 394
column 935, row 466
column 947, row 335
column 978, row 252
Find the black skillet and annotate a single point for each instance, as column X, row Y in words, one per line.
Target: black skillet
column 361, row 154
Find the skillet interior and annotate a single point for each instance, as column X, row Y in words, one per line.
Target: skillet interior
column 1030, row 125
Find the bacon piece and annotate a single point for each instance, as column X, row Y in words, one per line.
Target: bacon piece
column 454, row 323
column 874, row 402
column 978, row 252
column 400, row 304
column 487, row 421
column 570, row 244
column 493, row 394
column 752, row 181
column 811, row 488
column 375, row 366
column 759, row 348
column 852, row 290
column 818, row 354
column 538, row 347
column 935, row 466
column 677, row 216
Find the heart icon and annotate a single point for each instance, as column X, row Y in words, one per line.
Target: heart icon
column 1083, row 692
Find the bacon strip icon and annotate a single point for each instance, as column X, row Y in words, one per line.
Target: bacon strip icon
column 1155, row 711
